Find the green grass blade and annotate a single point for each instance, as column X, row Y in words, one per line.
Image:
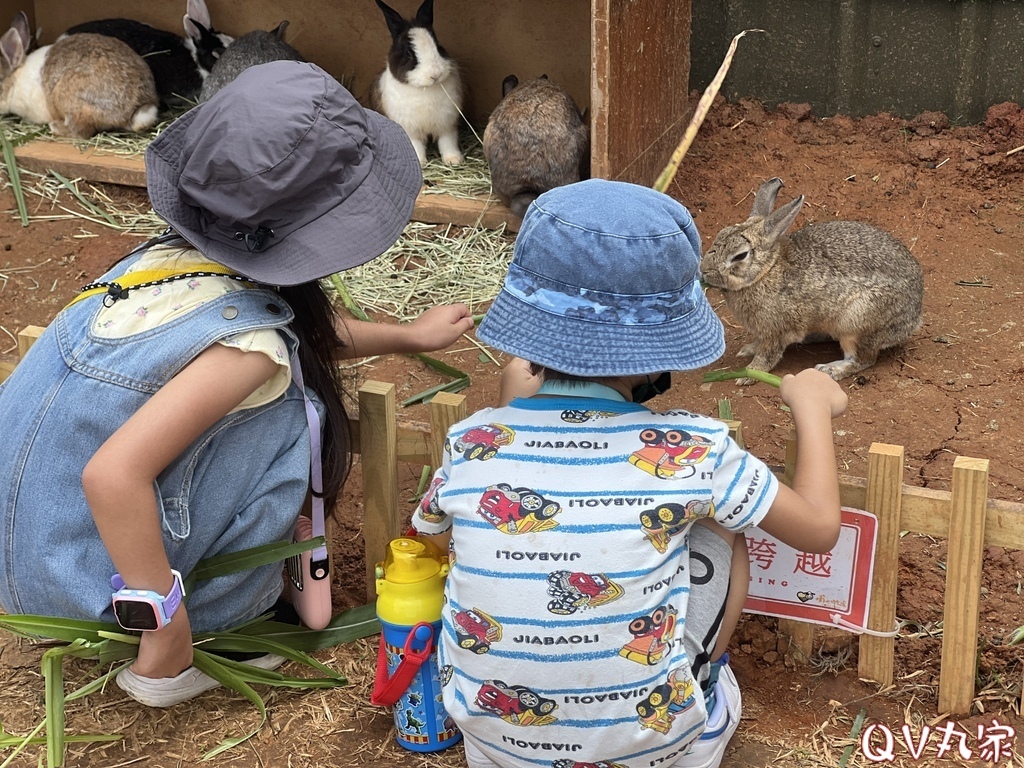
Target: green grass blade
column 725, row 409
column 68, row 630
column 53, row 675
column 233, row 641
column 14, row 176
column 748, row 373
column 30, row 739
column 220, row 672
column 440, row 366
column 452, row 386
column 93, row 738
column 247, row 559
column 347, row 626
column 347, row 300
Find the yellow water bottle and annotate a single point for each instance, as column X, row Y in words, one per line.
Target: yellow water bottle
column 410, row 597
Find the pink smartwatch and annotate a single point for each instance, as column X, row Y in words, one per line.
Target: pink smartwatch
column 143, row 609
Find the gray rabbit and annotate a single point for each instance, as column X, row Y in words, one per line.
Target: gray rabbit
column 252, row 48
column 841, row 279
column 535, row 140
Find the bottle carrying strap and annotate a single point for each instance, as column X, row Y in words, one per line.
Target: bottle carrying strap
column 316, row 484
column 388, row 690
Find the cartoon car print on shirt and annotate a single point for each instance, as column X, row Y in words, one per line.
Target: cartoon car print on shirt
column 517, row 510
column 574, row 590
column 576, row 416
column 430, row 510
column 662, row 704
column 475, row 630
column 515, row 704
column 666, row 520
column 652, row 636
column 670, row 454
column 483, row 442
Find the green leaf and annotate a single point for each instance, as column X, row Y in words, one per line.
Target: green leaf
column 743, row 373
column 347, row 626
column 233, row 641
column 347, row 300
column 725, row 409
column 14, row 176
column 247, row 559
column 53, row 676
column 441, row 367
column 68, row 630
column 452, row 386
column 224, row 675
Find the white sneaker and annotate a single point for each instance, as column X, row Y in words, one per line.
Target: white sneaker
column 723, row 720
column 168, row 691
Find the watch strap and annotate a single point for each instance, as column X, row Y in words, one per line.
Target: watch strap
column 170, row 601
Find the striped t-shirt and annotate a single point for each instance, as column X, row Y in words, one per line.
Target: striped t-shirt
column 567, row 595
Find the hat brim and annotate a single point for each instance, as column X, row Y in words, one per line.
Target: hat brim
column 587, row 348
column 358, row 229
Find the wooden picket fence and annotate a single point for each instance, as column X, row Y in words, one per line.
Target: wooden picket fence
column 965, row 516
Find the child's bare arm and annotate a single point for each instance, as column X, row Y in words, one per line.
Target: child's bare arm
column 806, row 516
column 437, row 328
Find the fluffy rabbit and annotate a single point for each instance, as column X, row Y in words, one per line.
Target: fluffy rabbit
column 179, row 64
column 252, row 48
column 420, row 89
column 841, row 279
column 80, row 85
column 535, row 140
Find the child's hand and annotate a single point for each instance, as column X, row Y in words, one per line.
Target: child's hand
column 518, row 381
column 439, row 327
column 810, row 388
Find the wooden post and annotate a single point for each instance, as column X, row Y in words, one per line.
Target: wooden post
column 795, row 635
column 963, row 585
column 446, row 409
column 884, row 501
column 378, row 439
column 28, row 336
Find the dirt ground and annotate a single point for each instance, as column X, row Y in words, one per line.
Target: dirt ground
column 953, row 195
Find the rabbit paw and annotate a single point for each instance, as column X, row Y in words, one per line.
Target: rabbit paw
column 747, row 350
column 454, row 159
column 840, row 369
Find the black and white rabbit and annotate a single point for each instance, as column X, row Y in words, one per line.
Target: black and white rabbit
column 179, row 64
column 421, row 88
column 252, row 48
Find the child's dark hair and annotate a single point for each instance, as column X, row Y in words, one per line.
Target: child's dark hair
column 550, row 374
column 319, row 348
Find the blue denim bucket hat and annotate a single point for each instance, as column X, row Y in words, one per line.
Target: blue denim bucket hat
column 604, row 281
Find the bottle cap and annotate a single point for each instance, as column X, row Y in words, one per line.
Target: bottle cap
column 410, row 560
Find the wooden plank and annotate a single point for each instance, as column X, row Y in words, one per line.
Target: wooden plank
column 478, row 212
column 600, row 80
column 884, row 501
column 963, row 585
column 796, row 640
column 69, row 161
column 379, row 446
column 6, row 369
column 446, row 408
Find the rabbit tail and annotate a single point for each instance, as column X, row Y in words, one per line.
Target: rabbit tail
column 144, row 118
column 520, row 202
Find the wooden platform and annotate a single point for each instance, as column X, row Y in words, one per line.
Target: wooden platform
column 130, row 170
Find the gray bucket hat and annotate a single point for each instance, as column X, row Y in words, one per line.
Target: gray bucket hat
column 284, row 176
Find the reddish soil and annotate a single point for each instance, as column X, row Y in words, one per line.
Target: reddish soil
column 953, row 195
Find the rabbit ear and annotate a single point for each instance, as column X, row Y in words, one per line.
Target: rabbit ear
column 777, row 223
column 12, row 48
column 396, row 24
column 764, row 201
column 508, row 84
column 21, row 24
column 197, row 17
column 425, row 14
column 278, row 31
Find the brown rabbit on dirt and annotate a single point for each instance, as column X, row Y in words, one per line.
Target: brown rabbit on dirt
column 841, row 279
column 535, row 140
column 80, row 85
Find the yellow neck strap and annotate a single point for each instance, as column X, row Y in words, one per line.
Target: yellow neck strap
column 123, row 284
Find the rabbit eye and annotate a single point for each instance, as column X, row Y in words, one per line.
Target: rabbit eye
column 738, row 257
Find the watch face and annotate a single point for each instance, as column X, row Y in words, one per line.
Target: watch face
column 132, row 614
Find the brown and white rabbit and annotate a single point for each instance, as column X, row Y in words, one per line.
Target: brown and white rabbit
column 535, row 140
column 252, row 48
column 79, row 86
column 843, row 279
column 420, row 89
column 179, row 64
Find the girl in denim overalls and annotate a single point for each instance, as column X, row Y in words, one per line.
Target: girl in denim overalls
column 153, row 426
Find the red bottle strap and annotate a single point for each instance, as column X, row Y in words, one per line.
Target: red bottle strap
column 386, row 691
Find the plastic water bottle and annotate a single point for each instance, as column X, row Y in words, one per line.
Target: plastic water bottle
column 410, row 596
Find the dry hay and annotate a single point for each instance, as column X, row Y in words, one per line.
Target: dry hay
column 432, row 264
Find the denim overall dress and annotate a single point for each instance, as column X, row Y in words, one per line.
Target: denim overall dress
column 240, row 485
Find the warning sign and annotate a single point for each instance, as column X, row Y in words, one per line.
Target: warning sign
column 811, row 587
